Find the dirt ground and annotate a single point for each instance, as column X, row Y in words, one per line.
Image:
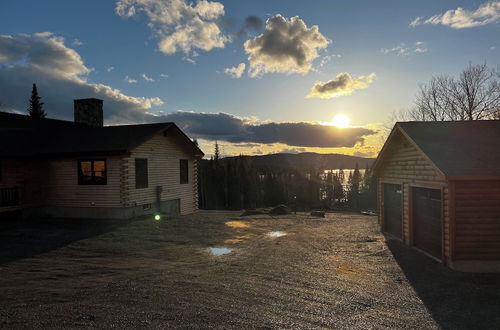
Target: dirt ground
column 338, row 272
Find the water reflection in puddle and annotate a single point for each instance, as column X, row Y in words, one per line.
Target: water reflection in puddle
column 276, row 234
column 220, row 251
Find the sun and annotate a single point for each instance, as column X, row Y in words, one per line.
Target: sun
column 340, row 121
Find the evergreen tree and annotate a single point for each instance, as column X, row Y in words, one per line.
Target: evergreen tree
column 216, row 152
column 338, row 190
column 354, row 182
column 36, row 107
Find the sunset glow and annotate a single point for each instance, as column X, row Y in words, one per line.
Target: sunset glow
column 340, row 121
column 258, row 77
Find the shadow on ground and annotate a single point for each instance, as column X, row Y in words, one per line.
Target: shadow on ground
column 25, row 238
column 456, row 300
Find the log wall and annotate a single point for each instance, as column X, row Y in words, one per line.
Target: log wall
column 164, row 155
column 62, row 188
column 476, row 209
column 404, row 164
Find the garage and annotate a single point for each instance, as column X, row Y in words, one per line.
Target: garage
column 392, row 209
column 439, row 191
column 427, row 223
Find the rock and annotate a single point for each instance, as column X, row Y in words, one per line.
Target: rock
column 369, row 212
column 279, row 210
column 252, row 212
column 320, row 214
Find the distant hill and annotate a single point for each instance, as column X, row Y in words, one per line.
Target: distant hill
column 308, row 160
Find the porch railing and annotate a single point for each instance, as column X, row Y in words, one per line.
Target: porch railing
column 9, row 196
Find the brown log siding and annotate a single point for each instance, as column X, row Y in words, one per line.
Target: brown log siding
column 477, row 220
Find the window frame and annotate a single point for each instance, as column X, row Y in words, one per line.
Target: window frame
column 94, row 181
column 183, row 176
column 146, row 184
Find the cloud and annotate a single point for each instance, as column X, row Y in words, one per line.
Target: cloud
column 292, row 150
column 77, row 42
column 403, row 50
column 163, row 75
column 253, row 23
column 487, row 13
column 285, row 46
column 237, row 71
column 343, row 84
column 146, row 78
column 230, row 128
column 130, row 80
column 110, row 68
column 61, row 76
column 179, row 25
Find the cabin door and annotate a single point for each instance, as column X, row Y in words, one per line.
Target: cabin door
column 427, row 232
column 393, row 219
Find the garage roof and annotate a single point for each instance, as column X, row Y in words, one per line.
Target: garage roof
column 456, row 148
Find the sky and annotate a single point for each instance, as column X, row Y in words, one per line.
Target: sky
column 257, row 76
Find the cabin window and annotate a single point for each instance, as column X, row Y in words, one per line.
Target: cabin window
column 184, row 171
column 92, row 171
column 141, row 173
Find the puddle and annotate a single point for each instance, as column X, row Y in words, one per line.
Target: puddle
column 220, row 251
column 237, row 224
column 233, row 241
column 276, row 234
column 239, row 239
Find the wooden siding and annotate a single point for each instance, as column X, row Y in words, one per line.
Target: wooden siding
column 477, row 220
column 62, row 188
column 10, row 174
column 163, row 154
column 404, row 164
column 28, row 177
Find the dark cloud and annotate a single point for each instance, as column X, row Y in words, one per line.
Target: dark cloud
column 226, row 127
column 61, row 76
column 246, row 145
column 343, row 84
column 241, row 29
column 286, row 46
column 253, row 23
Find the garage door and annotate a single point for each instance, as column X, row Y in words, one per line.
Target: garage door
column 427, row 220
column 392, row 209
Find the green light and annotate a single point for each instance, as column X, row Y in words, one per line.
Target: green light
column 157, row 217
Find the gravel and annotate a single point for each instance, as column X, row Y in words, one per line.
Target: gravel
column 336, row 272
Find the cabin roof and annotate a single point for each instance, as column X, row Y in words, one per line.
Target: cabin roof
column 24, row 136
column 456, row 148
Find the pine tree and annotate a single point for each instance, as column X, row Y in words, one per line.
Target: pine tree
column 216, row 152
column 354, row 182
column 36, row 107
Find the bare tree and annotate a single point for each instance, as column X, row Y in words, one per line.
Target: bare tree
column 473, row 95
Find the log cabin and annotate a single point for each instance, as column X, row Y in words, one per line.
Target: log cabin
column 439, row 191
column 83, row 169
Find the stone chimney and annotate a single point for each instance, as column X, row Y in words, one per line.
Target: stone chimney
column 89, row 112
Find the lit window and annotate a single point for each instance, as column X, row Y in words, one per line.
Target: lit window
column 92, row 171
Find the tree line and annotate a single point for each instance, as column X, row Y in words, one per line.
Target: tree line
column 235, row 183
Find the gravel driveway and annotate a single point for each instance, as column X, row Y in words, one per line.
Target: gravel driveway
column 337, row 272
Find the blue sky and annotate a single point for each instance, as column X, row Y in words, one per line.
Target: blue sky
column 362, row 38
